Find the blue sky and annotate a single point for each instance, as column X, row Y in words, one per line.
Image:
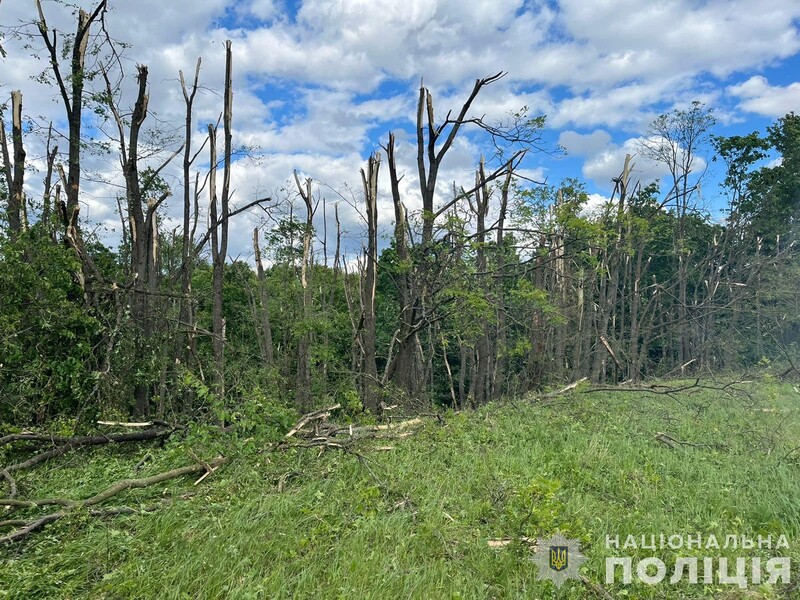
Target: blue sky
column 320, row 83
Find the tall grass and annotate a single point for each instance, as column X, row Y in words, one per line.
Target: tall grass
column 414, row 522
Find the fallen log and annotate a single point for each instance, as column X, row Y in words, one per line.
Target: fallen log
column 65, row 444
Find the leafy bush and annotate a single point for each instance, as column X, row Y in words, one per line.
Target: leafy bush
column 46, row 334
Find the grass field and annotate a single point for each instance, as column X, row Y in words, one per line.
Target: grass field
column 416, row 521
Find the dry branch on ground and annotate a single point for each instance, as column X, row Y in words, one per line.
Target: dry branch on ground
column 313, row 430
column 64, row 444
column 26, row 526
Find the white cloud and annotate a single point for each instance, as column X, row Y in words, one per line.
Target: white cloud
column 607, row 164
column 584, row 144
column 315, row 87
column 593, row 207
column 756, row 95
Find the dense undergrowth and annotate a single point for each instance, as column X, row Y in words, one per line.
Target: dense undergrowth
column 415, row 521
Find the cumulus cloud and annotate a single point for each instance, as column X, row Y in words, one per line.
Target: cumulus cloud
column 318, row 84
column 603, row 166
column 584, row 144
column 756, row 95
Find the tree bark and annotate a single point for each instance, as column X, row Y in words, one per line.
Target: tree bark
column 219, row 235
column 14, row 170
column 370, row 387
column 303, row 379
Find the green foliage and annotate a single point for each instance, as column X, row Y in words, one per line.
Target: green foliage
column 776, row 190
column 47, row 337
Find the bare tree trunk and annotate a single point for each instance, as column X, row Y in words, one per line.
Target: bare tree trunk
column 481, row 210
column 303, row 380
column 14, row 172
column 186, row 341
column 370, row 388
column 219, row 224
column 73, row 99
column 402, row 366
column 500, row 299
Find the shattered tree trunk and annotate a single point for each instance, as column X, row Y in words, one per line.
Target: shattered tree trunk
column 47, row 194
column 370, row 383
column 219, row 232
column 142, row 230
column 14, row 170
column 186, row 341
column 501, row 348
column 481, row 382
column 403, row 367
column 303, row 379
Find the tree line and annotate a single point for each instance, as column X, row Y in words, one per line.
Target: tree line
column 497, row 287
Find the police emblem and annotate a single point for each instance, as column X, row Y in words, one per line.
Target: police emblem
column 558, row 559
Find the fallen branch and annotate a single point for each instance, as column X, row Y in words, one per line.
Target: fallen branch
column 670, row 441
column 124, row 424
column 26, row 527
column 30, row 527
column 68, row 443
column 317, row 415
column 400, row 425
column 83, row 440
column 12, row 484
column 332, row 435
column 503, row 542
column 664, row 390
column 596, row 588
column 562, row 391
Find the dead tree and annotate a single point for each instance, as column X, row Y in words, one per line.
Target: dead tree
column 419, row 281
column 14, row 170
column 71, row 90
column 303, row 380
column 142, row 220
column 368, row 287
column 501, row 348
column 186, row 343
column 219, row 224
column 429, row 157
column 72, row 97
column 480, row 208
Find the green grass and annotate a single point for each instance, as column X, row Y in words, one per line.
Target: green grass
column 414, row 522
